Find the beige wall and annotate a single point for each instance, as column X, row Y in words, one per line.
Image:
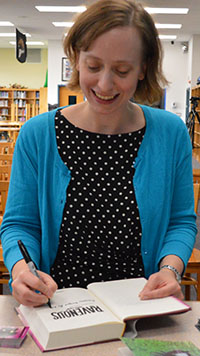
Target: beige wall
column 26, row 74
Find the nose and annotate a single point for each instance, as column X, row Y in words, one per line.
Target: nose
column 106, row 81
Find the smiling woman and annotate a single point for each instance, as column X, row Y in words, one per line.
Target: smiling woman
column 103, row 189
column 98, row 20
column 108, row 75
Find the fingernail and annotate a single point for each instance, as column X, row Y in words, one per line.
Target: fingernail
column 144, row 297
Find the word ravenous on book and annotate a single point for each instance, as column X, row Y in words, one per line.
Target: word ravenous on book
column 73, row 312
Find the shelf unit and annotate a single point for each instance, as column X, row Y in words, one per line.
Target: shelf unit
column 9, row 130
column 18, row 106
column 21, row 104
column 196, row 92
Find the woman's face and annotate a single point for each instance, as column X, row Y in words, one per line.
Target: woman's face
column 110, row 69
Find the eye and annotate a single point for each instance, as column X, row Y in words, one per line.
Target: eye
column 93, row 68
column 122, row 73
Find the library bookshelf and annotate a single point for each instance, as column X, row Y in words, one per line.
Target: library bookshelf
column 18, row 106
column 196, row 92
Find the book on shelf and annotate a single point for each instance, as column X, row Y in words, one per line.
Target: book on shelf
column 99, row 313
column 153, row 347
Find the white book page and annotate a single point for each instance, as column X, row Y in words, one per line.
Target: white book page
column 72, row 308
column 122, row 298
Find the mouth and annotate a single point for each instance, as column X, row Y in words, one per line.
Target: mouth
column 105, row 97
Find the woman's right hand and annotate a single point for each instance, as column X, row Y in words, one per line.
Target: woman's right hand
column 25, row 286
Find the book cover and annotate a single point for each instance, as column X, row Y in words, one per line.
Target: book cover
column 11, row 336
column 152, row 347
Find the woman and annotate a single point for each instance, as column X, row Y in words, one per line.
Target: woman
column 103, row 190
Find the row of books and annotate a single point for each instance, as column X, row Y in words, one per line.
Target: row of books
column 4, row 103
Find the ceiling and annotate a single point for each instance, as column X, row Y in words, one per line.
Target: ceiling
column 27, row 19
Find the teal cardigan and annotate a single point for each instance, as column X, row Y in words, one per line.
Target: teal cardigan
column 163, row 186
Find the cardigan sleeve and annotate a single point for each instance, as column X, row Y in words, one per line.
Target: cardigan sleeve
column 21, row 219
column 180, row 236
column 163, row 183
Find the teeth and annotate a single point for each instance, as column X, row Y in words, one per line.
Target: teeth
column 104, row 97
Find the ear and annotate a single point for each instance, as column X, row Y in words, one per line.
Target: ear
column 142, row 72
column 77, row 61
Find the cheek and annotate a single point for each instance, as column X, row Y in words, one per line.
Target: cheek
column 129, row 86
column 83, row 80
column 85, row 84
column 86, row 80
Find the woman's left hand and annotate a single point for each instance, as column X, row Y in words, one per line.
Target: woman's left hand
column 161, row 284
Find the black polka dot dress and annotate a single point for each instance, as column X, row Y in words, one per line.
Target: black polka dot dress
column 100, row 234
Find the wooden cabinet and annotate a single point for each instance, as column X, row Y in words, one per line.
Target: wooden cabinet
column 43, row 103
column 196, row 92
column 68, row 97
column 21, row 104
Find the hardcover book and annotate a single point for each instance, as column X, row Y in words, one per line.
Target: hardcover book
column 11, row 336
column 81, row 316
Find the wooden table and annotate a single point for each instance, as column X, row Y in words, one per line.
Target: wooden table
column 176, row 327
column 3, row 271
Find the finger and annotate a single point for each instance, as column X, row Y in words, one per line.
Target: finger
column 152, row 284
column 38, row 284
column 29, row 289
column 49, row 282
column 27, row 296
column 156, row 293
column 26, row 284
column 161, row 293
column 170, row 289
column 35, row 283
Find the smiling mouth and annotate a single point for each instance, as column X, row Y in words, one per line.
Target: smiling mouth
column 106, row 97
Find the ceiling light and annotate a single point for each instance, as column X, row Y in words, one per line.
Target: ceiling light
column 61, row 8
column 6, row 23
column 167, row 37
column 30, row 43
column 166, row 10
column 168, row 25
column 12, row 34
column 63, row 24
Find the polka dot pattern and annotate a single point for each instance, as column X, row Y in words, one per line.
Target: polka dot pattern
column 100, row 234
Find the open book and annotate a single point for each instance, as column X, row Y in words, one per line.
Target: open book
column 82, row 316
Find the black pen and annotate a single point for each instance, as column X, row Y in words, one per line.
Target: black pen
column 29, row 262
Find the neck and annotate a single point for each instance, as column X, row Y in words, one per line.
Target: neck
column 131, row 119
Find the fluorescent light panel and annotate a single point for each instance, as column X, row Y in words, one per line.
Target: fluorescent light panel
column 6, row 23
column 30, row 43
column 167, row 10
column 152, row 10
column 11, row 34
column 61, row 8
column 63, row 24
column 167, row 37
column 168, row 25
